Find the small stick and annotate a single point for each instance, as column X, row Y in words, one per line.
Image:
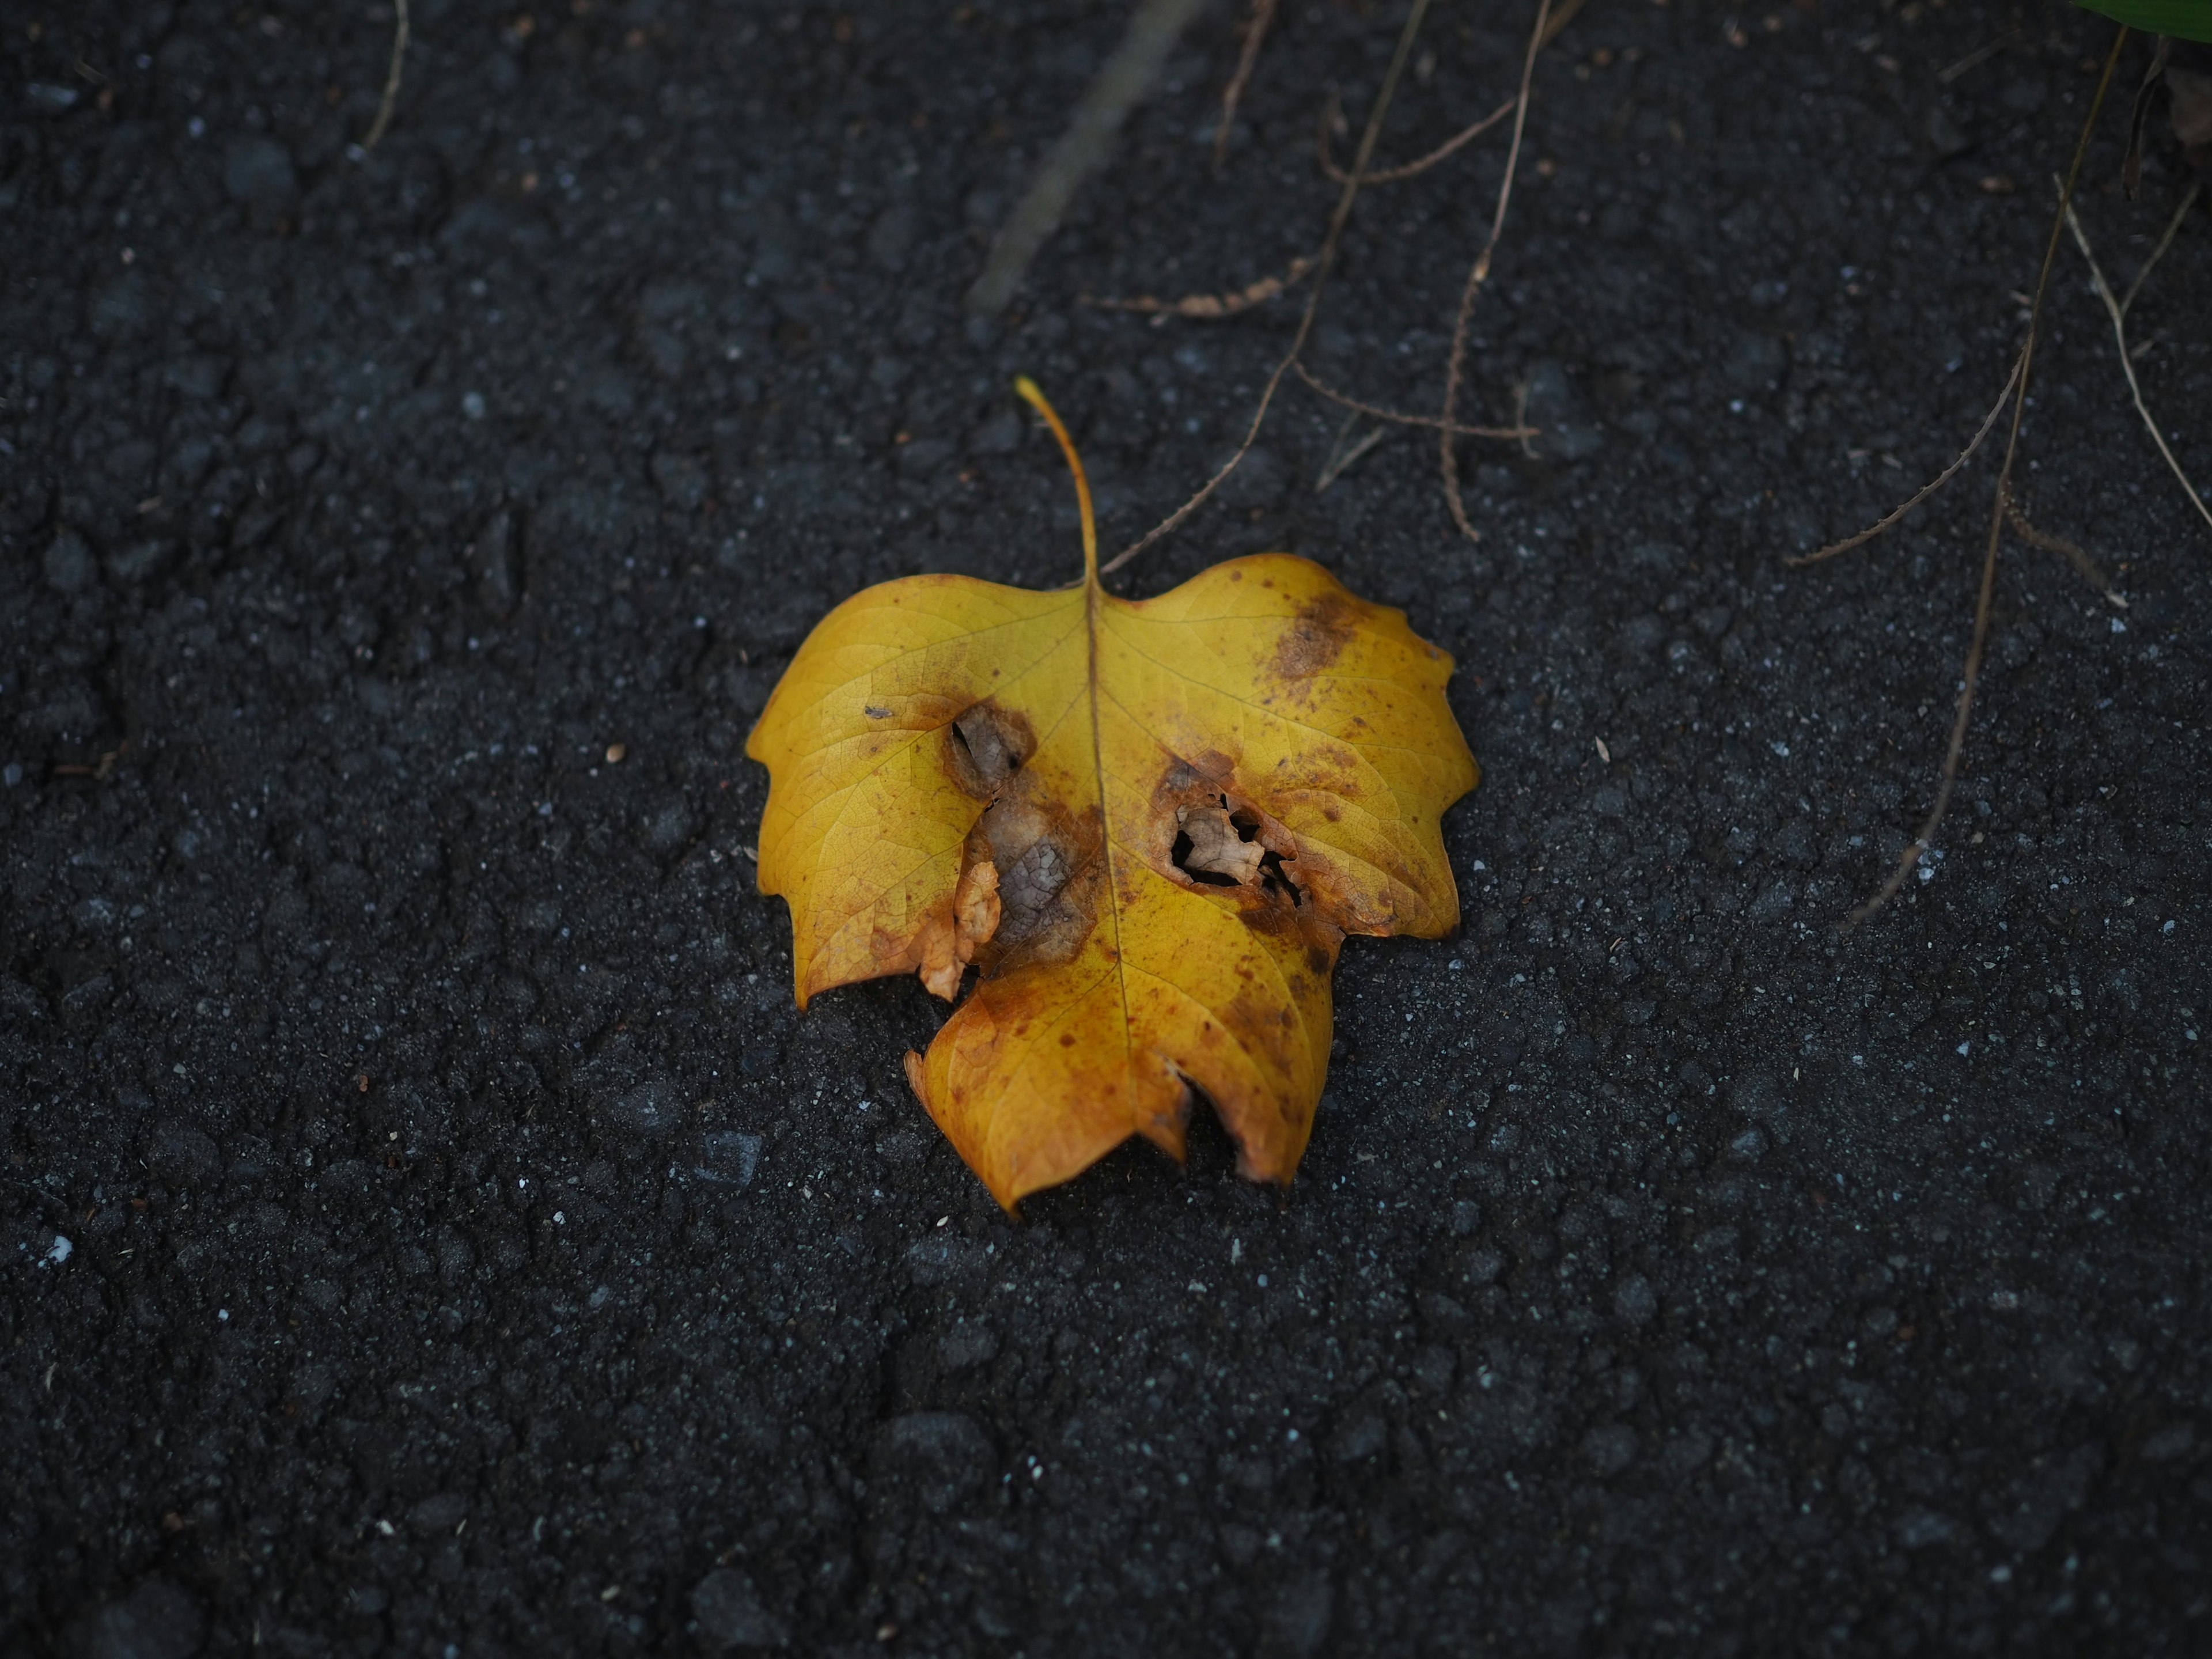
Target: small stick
column 1480, row 274
column 1122, row 82
column 1208, row 307
column 2074, row 554
column 1399, row 418
column 1979, row 55
column 1444, row 151
column 1984, row 600
column 390, row 99
column 1256, row 32
column 1989, row 422
column 1336, row 223
column 2119, row 315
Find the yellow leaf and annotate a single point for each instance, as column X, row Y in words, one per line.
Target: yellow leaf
column 1147, row 824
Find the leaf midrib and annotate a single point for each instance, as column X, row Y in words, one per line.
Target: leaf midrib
column 1093, row 597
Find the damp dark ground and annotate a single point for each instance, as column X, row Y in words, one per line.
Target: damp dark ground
column 469, row 1250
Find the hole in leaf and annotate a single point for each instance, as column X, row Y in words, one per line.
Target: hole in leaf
column 987, row 746
column 1179, row 854
column 1274, row 878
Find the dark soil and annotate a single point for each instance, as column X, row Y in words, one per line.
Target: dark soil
column 471, row 1252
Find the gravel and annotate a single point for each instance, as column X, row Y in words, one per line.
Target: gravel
column 470, row 1249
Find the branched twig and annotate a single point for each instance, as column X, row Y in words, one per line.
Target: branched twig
column 1336, row 223
column 1255, row 33
column 390, row 99
column 1984, row 600
column 1341, row 457
column 1890, row 520
column 2118, row 311
column 1398, row 418
column 1444, row 151
column 2165, row 242
column 1207, row 306
column 1480, row 274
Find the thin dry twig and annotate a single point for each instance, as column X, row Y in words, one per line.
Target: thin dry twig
column 1521, row 419
column 391, row 98
column 2173, row 225
column 1397, row 417
column 1337, row 219
column 1443, row 152
column 1985, row 598
column 1562, row 14
column 2072, row 552
column 1123, row 82
column 1255, row 33
column 1209, row 307
column 2153, row 72
column 101, row 770
column 1479, row 273
column 1979, row 55
column 1891, row 520
column 1340, row 457
column 2118, row 312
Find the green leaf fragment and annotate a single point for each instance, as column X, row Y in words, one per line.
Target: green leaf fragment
column 2185, row 20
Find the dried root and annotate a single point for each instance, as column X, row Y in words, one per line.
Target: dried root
column 1322, row 263
column 1209, row 307
column 1891, row 520
column 2071, row 552
column 1397, row 417
column 1413, row 169
column 1479, row 274
column 2001, row 511
column 1255, row 35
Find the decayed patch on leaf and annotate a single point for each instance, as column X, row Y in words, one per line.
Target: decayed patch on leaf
column 1147, row 825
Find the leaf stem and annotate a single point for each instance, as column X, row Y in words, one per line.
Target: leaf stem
column 1030, row 395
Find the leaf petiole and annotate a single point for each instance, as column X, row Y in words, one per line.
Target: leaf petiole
column 1036, row 399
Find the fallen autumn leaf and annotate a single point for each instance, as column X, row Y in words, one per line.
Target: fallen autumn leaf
column 1148, row 824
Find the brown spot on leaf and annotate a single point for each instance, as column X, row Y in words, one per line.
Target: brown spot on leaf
column 1261, row 1025
column 1316, row 636
column 1046, row 858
